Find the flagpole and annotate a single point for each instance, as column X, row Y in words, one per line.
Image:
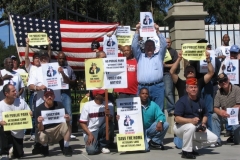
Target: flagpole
column 106, row 117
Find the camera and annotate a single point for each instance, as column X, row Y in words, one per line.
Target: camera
column 200, row 127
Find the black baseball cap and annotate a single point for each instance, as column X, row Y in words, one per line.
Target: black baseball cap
column 48, row 92
column 43, row 54
column 189, row 68
column 222, row 77
column 13, row 57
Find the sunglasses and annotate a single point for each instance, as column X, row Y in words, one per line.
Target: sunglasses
column 223, row 81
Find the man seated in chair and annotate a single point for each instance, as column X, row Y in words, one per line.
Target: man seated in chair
column 54, row 132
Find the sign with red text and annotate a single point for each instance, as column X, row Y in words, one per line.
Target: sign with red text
column 110, row 46
column 232, row 70
column 147, row 25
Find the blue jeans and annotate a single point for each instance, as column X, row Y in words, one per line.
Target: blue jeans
column 67, row 103
column 216, row 128
column 155, row 136
column 169, row 92
column 156, row 93
column 207, row 95
column 32, row 102
column 100, row 139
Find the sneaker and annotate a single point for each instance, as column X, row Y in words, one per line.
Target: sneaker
column 188, row 155
column 155, row 145
column 230, row 139
column 45, row 151
column 10, row 152
column 72, row 136
column 105, row 150
column 32, row 138
column 215, row 145
column 4, row 157
column 195, row 153
column 67, row 151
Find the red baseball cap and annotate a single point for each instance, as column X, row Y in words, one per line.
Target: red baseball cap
column 98, row 91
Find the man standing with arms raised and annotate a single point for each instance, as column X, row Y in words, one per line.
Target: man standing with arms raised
column 150, row 66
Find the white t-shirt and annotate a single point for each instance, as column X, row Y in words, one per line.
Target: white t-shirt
column 19, row 104
column 36, row 78
column 16, row 81
column 20, row 71
column 94, row 114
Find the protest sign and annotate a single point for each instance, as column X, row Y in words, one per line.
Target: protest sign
column 194, row 51
column 147, row 25
column 113, row 73
column 131, row 136
column 204, row 65
column 53, row 116
column 24, row 77
column 17, row 120
column 110, row 46
column 94, row 71
column 232, row 70
column 64, row 85
column 38, row 38
column 124, row 36
column 167, row 56
column 51, row 76
column 233, row 118
column 226, row 51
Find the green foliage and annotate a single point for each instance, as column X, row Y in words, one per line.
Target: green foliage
column 6, row 52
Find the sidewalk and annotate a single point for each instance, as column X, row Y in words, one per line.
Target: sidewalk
column 226, row 152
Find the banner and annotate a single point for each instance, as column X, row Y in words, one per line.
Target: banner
column 53, row 116
column 232, row 70
column 112, row 73
column 131, row 134
column 194, row 51
column 124, row 36
column 51, row 76
column 203, row 63
column 24, row 77
column 147, row 25
column 167, row 57
column 110, row 46
column 17, row 120
column 38, row 38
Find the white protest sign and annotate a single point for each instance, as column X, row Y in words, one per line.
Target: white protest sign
column 225, row 51
column 51, row 76
column 204, row 64
column 64, row 85
column 53, row 116
column 123, row 30
column 131, row 134
column 233, row 119
column 110, row 46
column 232, row 70
column 115, row 72
column 147, row 25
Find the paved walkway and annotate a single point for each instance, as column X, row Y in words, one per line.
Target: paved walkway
column 226, row 152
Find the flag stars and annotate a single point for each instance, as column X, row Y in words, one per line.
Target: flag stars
column 18, row 17
column 57, row 42
column 20, row 32
column 24, row 23
column 19, row 27
column 57, row 37
column 37, row 29
column 56, row 31
column 49, row 26
column 43, row 25
column 43, row 20
column 31, row 29
column 56, row 26
column 30, row 19
column 44, row 30
column 30, row 24
column 50, row 31
column 24, row 18
column 37, row 24
column 21, row 44
column 25, row 28
column 57, row 48
column 49, row 21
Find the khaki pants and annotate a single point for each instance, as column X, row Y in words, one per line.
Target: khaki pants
column 194, row 140
column 53, row 135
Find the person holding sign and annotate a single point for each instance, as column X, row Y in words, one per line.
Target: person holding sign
column 92, row 121
column 223, row 51
column 227, row 97
column 14, row 137
column 191, row 118
column 150, row 66
column 53, row 132
column 168, row 82
column 15, row 79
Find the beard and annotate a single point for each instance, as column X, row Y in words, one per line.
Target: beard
column 50, row 102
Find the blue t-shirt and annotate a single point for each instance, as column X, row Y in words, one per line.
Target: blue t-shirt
column 187, row 108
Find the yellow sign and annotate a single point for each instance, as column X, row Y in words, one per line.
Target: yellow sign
column 124, row 40
column 24, row 77
column 194, row 51
column 167, row 56
column 38, row 38
column 17, row 120
column 94, row 73
column 134, row 142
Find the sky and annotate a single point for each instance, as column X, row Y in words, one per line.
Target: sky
column 4, row 36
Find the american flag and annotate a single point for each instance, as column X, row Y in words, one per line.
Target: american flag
column 73, row 38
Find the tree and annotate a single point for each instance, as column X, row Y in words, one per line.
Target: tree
column 220, row 11
column 6, row 51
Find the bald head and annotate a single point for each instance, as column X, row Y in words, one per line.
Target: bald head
column 169, row 43
column 101, row 54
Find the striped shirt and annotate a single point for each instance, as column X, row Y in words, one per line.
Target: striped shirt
column 227, row 100
column 150, row 69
